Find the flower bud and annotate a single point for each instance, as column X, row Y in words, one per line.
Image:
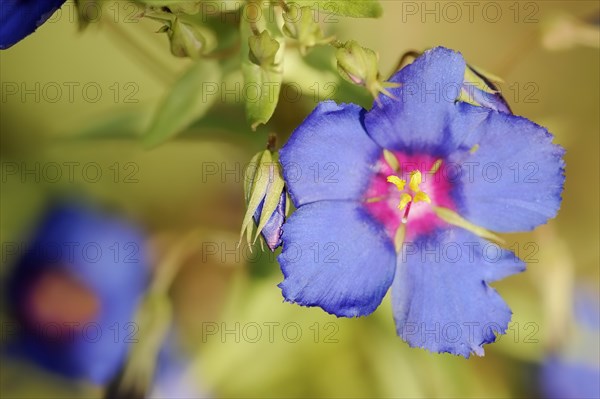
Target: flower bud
column 263, row 49
column 300, row 24
column 266, row 199
column 189, row 40
column 358, row 65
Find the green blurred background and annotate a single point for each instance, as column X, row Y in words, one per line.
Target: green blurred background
column 172, row 190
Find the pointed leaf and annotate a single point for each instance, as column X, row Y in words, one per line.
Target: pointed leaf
column 186, row 102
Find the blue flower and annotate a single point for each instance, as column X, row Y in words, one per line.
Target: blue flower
column 574, row 370
column 74, row 292
column 19, row 18
column 172, row 377
column 404, row 196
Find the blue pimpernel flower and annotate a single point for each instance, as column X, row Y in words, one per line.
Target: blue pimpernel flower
column 404, row 196
column 74, row 292
column 20, row 18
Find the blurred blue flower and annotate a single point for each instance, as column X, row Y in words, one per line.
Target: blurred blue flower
column 74, row 292
column 402, row 196
column 574, row 370
column 19, row 18
column 172, row 376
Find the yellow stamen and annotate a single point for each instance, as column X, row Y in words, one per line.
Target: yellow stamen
column 407, row 199
column 404, row 200
column 391, row 159
column 453, row 218
column 375, row 199
column 398, row 182
column 435, row 167
column 474, row 148
column 415, row 180
column 421, row 196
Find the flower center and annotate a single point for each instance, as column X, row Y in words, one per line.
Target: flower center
column 413, row 184
column 414, row 192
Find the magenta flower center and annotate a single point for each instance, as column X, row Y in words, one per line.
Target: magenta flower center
column 404, row 191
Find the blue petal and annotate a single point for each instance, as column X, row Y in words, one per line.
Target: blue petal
column 329, row 156
column 107, row 255
column 19, row 18
column 416, row 119
column 336, row 257
column 441, row 297
column 272, row 230
column 513, row 181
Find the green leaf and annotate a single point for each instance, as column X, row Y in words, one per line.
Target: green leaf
column 346, row 8
column 262, row 84
column 188, row 100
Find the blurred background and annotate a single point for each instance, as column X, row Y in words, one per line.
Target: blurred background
column 209, row 319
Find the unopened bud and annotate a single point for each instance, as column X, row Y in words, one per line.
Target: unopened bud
column 263, row 49
column 189, row 40
column 300, row 24
column 358, row 65
column 266, row 200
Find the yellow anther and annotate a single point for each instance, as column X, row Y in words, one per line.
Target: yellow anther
column 435, row 167
column 391, row 159
column 407, row 199
column 404, row 200
column 421, row 196
column 398, row 182
column 474, row 149
column 415, row 181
